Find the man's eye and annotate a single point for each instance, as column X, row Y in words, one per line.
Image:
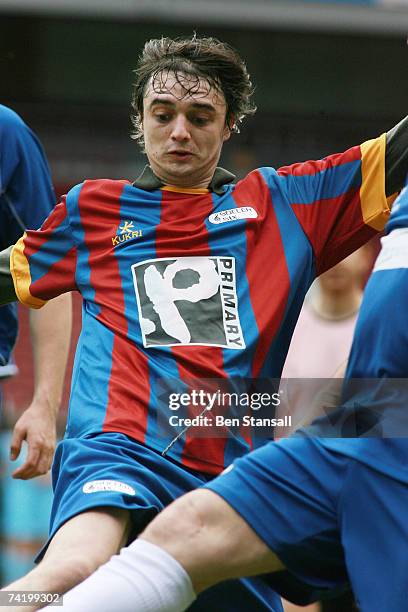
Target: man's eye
column 200, row 120
column 162, row 117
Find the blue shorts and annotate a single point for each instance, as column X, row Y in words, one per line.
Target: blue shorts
column 328, row 517
column 113, row 470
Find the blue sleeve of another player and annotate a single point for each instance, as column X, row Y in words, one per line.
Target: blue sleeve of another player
column 26, row 199
column 25, row 183
column 380, row 345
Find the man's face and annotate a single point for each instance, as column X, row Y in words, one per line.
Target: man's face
column 349, row 273
column 184, row 129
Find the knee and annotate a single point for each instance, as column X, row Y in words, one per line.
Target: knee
column 69, row 569
column 188, row 531
column 188, row 519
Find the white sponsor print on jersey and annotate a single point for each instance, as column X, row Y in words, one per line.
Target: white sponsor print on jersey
column 94, row 486
column 233, row 214
column 188, row 301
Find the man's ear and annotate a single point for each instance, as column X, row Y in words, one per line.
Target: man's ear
column 228, row 128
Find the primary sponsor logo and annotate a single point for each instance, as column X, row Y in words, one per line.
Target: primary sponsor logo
column 95, row 486
column 188, row 300
column 127, row 231
column 233, row 214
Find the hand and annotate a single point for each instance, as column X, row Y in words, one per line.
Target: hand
column 37, row 426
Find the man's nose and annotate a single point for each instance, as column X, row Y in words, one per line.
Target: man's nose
column 180, row 129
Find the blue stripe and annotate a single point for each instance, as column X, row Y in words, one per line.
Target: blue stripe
column 326, row 184
column 90, row 377
column 51, row 252
column 300, row 262
column 144, row 211
column 83, row 270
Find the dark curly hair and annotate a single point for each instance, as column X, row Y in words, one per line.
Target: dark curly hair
column 197, row 59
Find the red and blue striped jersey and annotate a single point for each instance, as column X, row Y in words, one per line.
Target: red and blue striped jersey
column 189, row 284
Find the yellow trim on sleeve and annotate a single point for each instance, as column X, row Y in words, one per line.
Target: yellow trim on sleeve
column 391, row 199
column 184, row 189
column 20, row 271
column 375, row 206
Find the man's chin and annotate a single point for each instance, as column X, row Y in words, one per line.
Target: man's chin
column 180, row 171
column 186, row 174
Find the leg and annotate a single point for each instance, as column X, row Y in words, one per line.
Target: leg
column 173, row 558
column 78, row 548
column 201, row 540
column 211, row 542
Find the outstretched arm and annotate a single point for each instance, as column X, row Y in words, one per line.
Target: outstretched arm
column 343, row 200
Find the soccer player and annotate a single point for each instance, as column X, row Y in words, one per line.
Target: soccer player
column 26, row 198
column 312, row 511
column 184, row 276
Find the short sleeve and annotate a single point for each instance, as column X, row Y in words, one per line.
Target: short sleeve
column 43, row 262
column 340, row 200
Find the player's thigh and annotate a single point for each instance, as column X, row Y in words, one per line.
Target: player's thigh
column 287, row 493
column 210, row 540
column 90, row 537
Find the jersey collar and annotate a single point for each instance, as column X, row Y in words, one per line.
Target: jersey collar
column 149, row 181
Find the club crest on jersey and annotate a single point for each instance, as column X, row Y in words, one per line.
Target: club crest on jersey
column 126, row 231
column 188, row 301
column 233, row 214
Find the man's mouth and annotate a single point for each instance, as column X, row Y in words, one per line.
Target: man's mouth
column 181, row 154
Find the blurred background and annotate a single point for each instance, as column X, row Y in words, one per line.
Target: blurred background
column 328, row 75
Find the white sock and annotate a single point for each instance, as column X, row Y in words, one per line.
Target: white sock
column 142, row 578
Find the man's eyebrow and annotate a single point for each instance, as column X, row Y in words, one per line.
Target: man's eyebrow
column 195, row 105
column 203, row 106
column 161, row 101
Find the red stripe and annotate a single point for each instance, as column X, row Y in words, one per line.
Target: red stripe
column 267, row 271
column 55, row 281
column 313, row 167
column 333, row 228
column 182, row 232
column 129, row 392
column 56, row 216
